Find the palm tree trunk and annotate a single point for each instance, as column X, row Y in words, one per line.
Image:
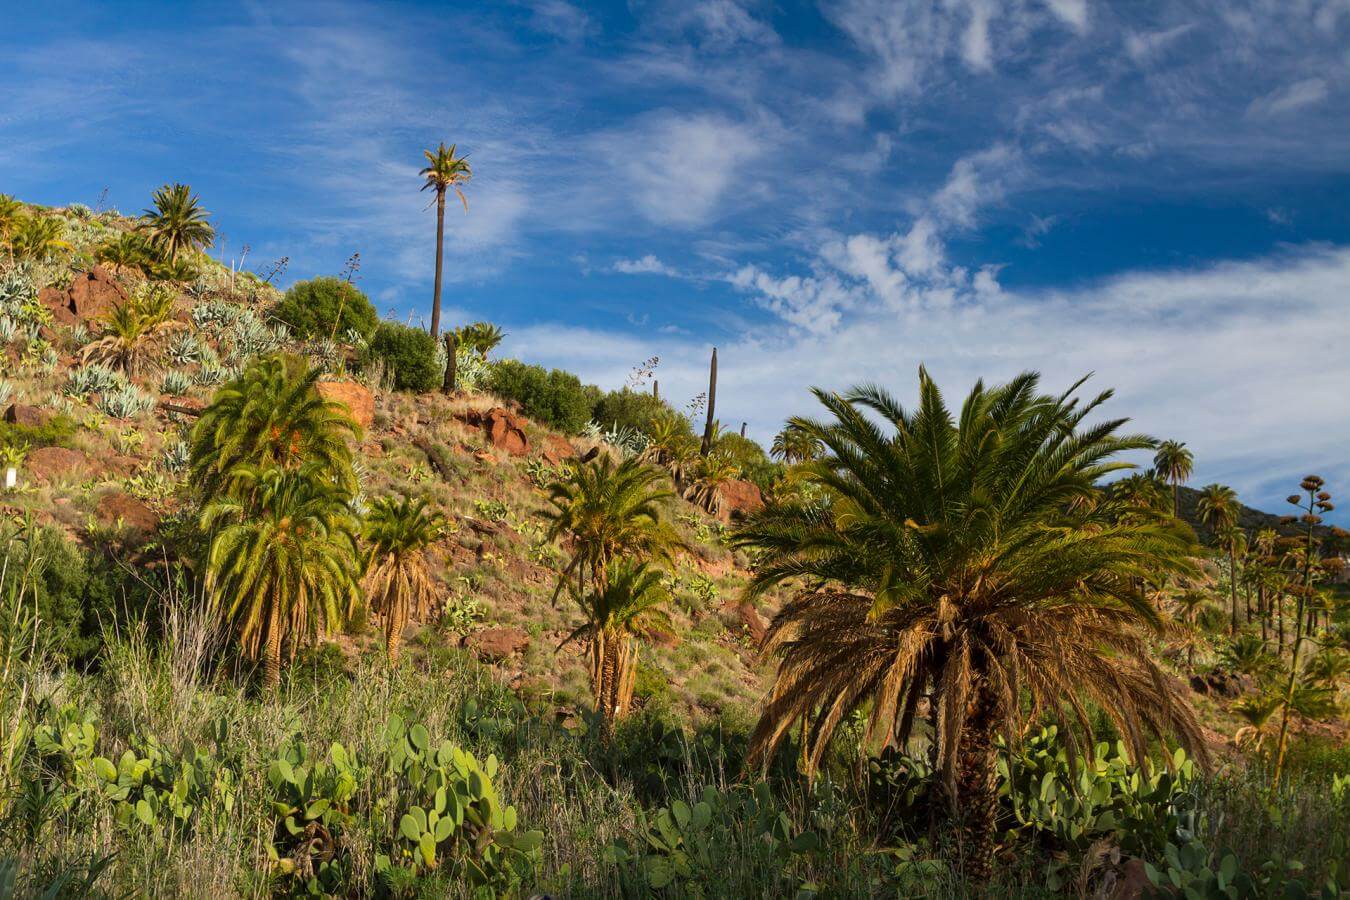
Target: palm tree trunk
column 608, row 692
column 393, row 630
column 1263, row 611
column 451, row 350
column 1232, row 588
column 1279, row 617
column 272, row 651
column 976, row 788
column 1176, row 499
column 440, row 260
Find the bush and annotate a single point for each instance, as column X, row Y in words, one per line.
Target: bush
column 310, row 309
column 751, row 459
column 73, row 591
column 58, row 432
column 618, row 410
column 409, row 354
column 555, row 398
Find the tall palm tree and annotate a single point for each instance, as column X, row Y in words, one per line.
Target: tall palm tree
column 1189, row 605
column 1218, row 511
column 605, row 512
column 271, row 415
column 630, row 606
column 444, row 172
column 177, row 221
column 398, row 580
column 282, row 567
column 975, row 554
column 1173, row 463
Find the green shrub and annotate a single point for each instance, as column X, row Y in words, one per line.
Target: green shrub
column 72, row 590
column 311, row 309
column 409, row 354
column 750, row 458
column 59, row 432
column 553, row 397
column 623, row 409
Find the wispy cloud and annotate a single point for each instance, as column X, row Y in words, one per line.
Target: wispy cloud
column 1288, row 99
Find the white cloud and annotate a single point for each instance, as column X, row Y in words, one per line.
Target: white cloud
column 974, row 181
column 1142, row 45
column 560, row 19
column 1243, row 361
column 679, row 168
column 724, row 23
column 1290, row 98
column 647, row 265
column 1073, row 13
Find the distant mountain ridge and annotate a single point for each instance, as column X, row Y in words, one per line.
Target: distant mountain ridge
column 1253, row 520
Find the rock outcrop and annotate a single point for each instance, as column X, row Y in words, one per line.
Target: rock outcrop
column 740, row 498
column 90, row 295
column 358, row 399
column 48, row 464
column 496, row 644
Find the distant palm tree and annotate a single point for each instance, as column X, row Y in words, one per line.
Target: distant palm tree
column 1218, row 508
column 1190, row 604
column 480, row 337
column 1173, row 463
column 130, row 250
column 37, row 237
column 605, row 512
column 1141, row 491
column 282, row 567
column 671, row 445
column 177, row 221
column 271, row 415
column 444, row 171
column 10, row 210
column 793, row 446
column 398, row 580
column 969, row 559
column 711, row 474
column 631, row 605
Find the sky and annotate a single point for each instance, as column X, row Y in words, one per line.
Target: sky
column 829, row 192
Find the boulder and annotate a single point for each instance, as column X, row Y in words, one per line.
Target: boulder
column 356, row 397
column 1132, row 882
column 745, row 614
column 90, row 295
column 740, row 498
column 31, row 416
column 47, row 464
column 1229, row 685
column 496, row 644
column 557, row 450
column 504, row 429
column 125, row 509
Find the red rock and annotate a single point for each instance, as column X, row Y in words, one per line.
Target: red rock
column 506, row 431
column 740, row 498
column 746, row 614
column 31, row 416
column 133, row 515
column 359, row 401
column 496, row 644
column 557, row 450
column 47, row 464
column 56, row 301
column 92, row 294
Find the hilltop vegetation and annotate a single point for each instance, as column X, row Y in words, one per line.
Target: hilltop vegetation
column 295, row 600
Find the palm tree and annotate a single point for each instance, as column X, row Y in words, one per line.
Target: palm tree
column 444, row 171
column 1190, row 604
column 282, row 568
column 480, row 337
column 10, row 210
column 793, row 446
column 135, row 331
column 631, row 605
column 1218, row 511
column 975, row 554
column 130, row 250
column 605, row 512
column 271, row 415
column 1140, row 491
column 671, row 445
column 177, row 221
column 711, row 474
column 37, row 237
column 1173, row 463
column 398, row 580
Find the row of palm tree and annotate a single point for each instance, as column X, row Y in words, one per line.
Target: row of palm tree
column 272, row 462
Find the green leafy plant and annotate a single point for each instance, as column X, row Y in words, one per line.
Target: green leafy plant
column 409, row 354
column 325, row 306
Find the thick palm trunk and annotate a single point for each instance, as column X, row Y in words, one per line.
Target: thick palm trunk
column 393, row 631
column 976, row 788
column 608, row 692
column 440, row 261
column 272, row 652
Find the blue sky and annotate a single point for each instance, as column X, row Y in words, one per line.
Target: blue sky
column 828, row 192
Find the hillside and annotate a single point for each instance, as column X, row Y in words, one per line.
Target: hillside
column 1252, row 521
column 196, row 452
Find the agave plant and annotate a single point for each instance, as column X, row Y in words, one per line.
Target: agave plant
column 125, row 402
column 94, row 379
column 185, row 349
column 6, row 391
column 176, row 383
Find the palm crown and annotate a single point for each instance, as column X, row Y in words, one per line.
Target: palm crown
column 280, row 569
column 177, row 221
column 398, row 580
column 975, row 553
column 446, row 171
column 271, row 415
